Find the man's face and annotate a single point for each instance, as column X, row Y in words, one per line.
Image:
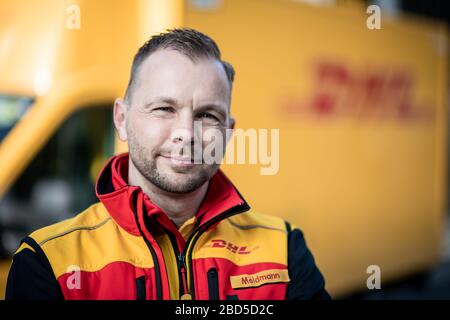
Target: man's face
column 170, row 94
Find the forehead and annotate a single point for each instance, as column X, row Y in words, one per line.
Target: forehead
column 170, row 73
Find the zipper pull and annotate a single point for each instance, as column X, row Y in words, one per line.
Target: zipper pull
column 182, row 266
column 181, row 261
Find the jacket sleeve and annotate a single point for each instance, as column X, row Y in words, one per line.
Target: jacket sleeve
column 307, row 281
column 31, row 276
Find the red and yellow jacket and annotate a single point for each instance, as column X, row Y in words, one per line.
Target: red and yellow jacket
column 125, row 247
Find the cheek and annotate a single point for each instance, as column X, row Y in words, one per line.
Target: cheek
column 216, row 138
column 150, row 134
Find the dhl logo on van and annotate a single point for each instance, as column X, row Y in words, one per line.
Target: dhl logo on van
column 366, row 93
column 219, row 243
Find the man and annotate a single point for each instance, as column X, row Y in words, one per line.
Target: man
column 169, row 224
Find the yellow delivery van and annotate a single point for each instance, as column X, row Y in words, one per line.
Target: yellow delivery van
column 361, row 115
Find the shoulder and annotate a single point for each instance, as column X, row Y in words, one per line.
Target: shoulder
column 256, row 220
column 60, row 245
column 307, row 282
column 273, row 229
column 92, row 218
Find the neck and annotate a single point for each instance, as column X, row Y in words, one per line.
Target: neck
column 178, row 206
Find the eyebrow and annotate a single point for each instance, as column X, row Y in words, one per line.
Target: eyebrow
column 172, row 101
column 162, row 99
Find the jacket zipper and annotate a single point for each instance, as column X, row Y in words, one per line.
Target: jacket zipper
column 213, row 284
column 184, row 265
column 181, row 266
column 190, row 243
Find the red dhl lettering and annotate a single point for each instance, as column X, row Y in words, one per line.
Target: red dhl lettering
column 219, row 243
column 367, row 93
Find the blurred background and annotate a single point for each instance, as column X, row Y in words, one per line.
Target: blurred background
column 360, row 98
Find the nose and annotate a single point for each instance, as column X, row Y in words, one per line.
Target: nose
column 183, row 131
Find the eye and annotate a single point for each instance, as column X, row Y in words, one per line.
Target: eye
column 205, row 115
column 164, row 109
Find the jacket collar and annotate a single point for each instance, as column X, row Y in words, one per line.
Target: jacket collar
column 121, row 199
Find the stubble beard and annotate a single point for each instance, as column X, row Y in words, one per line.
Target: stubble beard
column 148, row 168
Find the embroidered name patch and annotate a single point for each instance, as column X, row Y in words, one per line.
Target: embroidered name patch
column 260, row 278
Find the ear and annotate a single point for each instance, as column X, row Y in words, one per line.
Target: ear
column 230, row 129
column 120, row 117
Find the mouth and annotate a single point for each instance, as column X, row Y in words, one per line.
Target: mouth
column 179, row 161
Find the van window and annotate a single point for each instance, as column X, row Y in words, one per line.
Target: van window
column 12, row 109
column 59, row 182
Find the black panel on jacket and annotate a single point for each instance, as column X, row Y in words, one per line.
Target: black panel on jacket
column 31, row 276
column 307, row 281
